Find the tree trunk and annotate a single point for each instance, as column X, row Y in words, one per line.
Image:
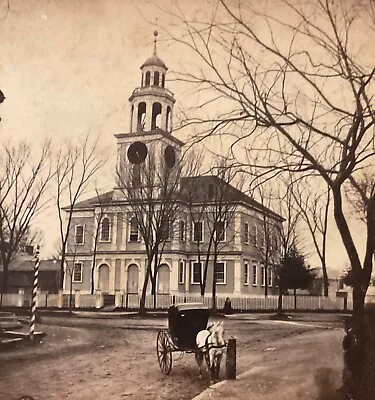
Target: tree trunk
column 295, row 298
column 266, row 280
column 142, row 302
column 70, row 293
column 280, row 302
column 325, row 279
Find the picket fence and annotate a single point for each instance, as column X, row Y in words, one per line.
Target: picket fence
column 131, row 301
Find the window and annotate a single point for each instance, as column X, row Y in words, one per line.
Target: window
column 255, row 275
column 133, row 236
column 196, row 272
column 165, row 229
column 219, row 231
column 254, row 236
column 156, row 78
column 246, row 273
column 262, row 239
column 269, row 276
column 246, row 233
column 263, row 275
column 181, row 272
column 79, row 234
column 220, row 272
column 148, row 76
column 198, row 231
column 77, row 272
column 105, row 231
column 182, row 231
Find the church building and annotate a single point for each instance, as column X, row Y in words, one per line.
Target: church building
column 120, row 259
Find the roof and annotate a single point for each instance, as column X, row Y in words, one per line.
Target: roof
column 198, row 187
column 104, row 198
column 154, row 60
column 24, row 263
column 190, row 306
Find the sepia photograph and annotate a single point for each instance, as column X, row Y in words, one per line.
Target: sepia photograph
column 187, row 199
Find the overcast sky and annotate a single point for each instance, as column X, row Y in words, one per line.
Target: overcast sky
column 69, row 66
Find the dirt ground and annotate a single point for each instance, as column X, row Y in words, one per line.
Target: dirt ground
column 112, row 359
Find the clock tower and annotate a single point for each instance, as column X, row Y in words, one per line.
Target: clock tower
column 150, row 138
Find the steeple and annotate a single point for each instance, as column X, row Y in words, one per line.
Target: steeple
column 151, row 103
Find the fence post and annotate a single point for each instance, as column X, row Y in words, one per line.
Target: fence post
column 21, row 298
column 77, row 299
column 231, row 359
column 118, row 299
column 99, row 299
column 60, row 299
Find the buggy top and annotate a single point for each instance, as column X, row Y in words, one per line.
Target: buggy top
column 185, row 321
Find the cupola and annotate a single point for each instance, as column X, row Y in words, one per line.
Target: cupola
column 151, row 103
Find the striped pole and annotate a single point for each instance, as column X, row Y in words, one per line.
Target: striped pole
column 34, row 295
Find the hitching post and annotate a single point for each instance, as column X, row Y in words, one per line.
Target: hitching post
column 231, row 359
column 34, row 295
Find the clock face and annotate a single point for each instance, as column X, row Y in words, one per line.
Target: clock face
column 170, row 156
column 137, row 153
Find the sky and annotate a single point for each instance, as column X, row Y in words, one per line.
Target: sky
column 69, row 66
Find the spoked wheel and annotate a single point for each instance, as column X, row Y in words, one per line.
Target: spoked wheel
column 163, row 349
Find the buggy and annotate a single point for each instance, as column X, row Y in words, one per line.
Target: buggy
column 185, row 321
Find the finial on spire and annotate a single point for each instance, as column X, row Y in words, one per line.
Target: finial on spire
column 155, row 40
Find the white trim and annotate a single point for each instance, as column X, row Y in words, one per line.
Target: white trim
column 224, row 231
column 130, row 231
column 246, row 233
column 109, row 230
column 193, row 231
column 254, row 269
column 181, row 281
column 263, row 275
column 192, row 271
column 183, row 230
column 246, row 271
column 83, row 234
column 81, row 272
column 225, row 272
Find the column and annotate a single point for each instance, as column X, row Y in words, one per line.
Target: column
column 114, row 232
column 174, row 276
column 60, row 299
column 112, row 276
column 98, row 299
column 187, row 275
column 237, row 276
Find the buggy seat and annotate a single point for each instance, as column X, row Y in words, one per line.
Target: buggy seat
column 185, row 321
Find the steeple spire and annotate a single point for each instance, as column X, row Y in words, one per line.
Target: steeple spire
column 155, row 40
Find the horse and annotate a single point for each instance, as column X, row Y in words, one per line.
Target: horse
column 210, row 346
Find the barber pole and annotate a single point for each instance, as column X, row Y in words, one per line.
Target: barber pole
column 34, row 295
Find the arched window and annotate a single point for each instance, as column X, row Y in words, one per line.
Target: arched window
column 148, row 76
column 141, row 115
column 105, row 231
column 156, row 112
column 168, row 119
column 162, row 80
column 156, row 78
column 133, row 235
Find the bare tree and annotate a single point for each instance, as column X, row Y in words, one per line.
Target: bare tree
column 76, row 166
column 211, row 204
column 302, row 100
column 314, row 209
column 24, row 180
column 151, row 190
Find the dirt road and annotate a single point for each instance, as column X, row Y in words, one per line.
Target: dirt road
column 97, row 359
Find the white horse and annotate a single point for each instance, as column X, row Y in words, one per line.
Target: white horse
column 210, row 346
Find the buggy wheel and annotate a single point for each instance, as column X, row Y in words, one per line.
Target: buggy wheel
column 163, row 349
